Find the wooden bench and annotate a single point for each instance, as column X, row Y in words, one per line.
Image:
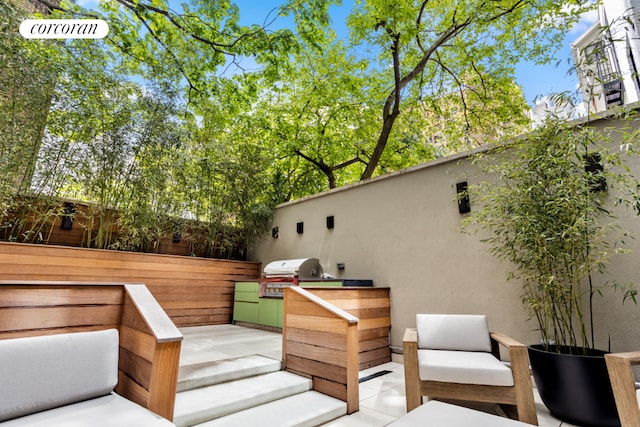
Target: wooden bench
column 149, row 342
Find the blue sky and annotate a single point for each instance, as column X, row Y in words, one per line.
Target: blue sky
column 535, row 80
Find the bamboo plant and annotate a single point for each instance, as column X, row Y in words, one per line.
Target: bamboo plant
column 553, row 217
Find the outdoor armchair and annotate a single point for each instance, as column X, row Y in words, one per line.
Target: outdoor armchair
column 623, row 385
column 452, row 356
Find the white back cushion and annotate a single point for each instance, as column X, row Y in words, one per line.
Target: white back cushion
column 44, row 372
column 464, row 332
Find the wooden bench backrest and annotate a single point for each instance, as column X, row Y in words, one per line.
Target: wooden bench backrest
column 192, row 291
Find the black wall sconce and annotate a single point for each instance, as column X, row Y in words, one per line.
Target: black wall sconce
column 274, row 232
column 464, row 204
column 593, row 167
column 67, row 217
column 330, row 222
column 300, row 227
column 177, row 232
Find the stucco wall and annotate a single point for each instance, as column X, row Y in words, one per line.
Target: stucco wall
column 403, row 230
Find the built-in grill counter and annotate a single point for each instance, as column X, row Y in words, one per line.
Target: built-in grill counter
column 278, row 275
column 259, row 303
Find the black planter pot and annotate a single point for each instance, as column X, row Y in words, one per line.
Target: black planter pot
column 575, row 388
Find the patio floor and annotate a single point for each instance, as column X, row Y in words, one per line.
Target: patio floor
column 382, row 399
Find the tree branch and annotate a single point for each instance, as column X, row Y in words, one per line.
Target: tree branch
column 161, row 44
column 391, row 108
column 217, row 47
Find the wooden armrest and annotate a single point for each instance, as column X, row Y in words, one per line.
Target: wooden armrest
column 623, row 385
column 410, row 335
column 157, row 320
column 632, row 357
column 519, row 357
column 411, row 371
column 505, row 340
column 152, row 341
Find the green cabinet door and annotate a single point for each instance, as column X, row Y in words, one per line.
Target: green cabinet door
column 270, row 312
column 245, row 304
column 245, row 312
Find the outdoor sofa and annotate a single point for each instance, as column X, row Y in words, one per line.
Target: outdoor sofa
column 66, row 380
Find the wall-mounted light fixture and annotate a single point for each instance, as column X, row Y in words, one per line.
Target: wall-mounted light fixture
column 300, row 227
column 67, row 217
column 330, row 222
column 177, row 232
column 464, row 204
column 274, row 232
column 593, row 167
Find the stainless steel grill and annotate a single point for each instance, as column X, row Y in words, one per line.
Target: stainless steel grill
column 281, row 274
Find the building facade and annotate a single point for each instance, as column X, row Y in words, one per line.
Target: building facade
column 546, row 106
column 607, row 57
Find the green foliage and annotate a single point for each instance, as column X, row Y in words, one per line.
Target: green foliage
column 405, row 59
column 462, row 50
column 28, row 79
column 123, row 148
column 319, row 124
column 189, row 43
column 164, row 122
column 548, row 219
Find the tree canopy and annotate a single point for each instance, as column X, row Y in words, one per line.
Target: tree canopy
column 185, row 110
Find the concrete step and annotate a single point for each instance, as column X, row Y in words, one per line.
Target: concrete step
column 207, row 403
column 209, row 373
column 307, row 409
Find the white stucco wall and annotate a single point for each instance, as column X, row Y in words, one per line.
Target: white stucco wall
column 403, row 230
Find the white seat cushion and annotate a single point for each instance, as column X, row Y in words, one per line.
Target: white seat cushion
column 638, row 396
column 111, row 410
column 464, row 367
column 439, row 414
column 466, row 332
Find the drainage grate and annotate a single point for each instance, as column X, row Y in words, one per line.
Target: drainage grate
column 372, row 376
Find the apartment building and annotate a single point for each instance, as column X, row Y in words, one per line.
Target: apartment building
column 607, row 57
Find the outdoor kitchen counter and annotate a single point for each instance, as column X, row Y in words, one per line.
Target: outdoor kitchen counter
column 371, row 305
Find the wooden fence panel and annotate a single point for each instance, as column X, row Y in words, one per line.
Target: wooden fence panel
column 193, row 291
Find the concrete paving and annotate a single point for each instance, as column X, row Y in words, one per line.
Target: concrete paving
column 307, row 409
column 220, row 371
column 382, row 398
column 207, row 403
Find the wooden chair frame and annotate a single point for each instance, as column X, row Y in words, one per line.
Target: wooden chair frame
column 622, row 380
column 520, row 395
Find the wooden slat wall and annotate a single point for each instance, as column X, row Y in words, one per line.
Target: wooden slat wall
column 192, row 291
column 321, row 345
column 373, row 307
column 149, row 343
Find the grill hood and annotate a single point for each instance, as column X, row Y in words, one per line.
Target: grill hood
column 302, row 268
